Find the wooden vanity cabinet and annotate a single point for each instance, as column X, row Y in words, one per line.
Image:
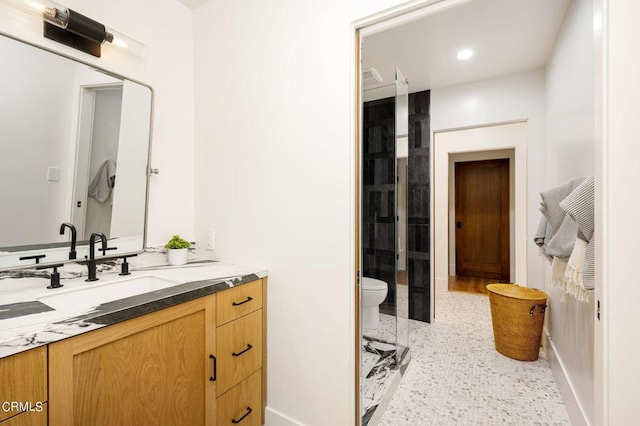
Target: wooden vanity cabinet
column 175, row 366
column 23, row 388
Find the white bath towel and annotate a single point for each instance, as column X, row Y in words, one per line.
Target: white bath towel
column 573, row 273
column 558, row 268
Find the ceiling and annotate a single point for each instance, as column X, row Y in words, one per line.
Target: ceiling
column 507, row 37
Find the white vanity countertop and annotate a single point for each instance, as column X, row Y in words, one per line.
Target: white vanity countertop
column 26, row 322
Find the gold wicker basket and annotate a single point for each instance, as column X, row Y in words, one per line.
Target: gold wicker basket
column 517, row 315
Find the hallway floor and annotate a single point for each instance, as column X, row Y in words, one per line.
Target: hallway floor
column 471, row 284
column 456, row 377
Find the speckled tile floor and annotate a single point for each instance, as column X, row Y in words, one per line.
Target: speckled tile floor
column 456, row 377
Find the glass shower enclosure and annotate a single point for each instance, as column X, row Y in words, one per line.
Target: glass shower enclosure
column 383, row 262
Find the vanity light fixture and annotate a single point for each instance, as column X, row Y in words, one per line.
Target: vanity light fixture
column 73, row 29
column 464, row 54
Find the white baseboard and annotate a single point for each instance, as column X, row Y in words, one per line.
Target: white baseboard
column 567, row 391
column 276, row 418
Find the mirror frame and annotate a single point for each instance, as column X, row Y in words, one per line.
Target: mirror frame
column 81, row 248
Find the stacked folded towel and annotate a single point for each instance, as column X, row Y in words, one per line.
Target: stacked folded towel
column 565, row 236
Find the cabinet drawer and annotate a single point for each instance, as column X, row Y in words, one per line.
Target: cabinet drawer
column 238, row 301
column 24, row 380
column 239, row 350
column 242, row 405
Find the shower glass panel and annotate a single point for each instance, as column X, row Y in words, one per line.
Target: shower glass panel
column 378, row 365
column 401, row 160
column 384, row 242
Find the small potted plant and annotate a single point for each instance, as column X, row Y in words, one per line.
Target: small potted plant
column 177, row 250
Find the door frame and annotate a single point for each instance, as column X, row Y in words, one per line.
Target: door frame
column 82, row 150
column 360, row 28
column 406, row 12
column 492, row 139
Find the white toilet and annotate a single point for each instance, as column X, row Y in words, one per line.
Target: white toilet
column 373, row 294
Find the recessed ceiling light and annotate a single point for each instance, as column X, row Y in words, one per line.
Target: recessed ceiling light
column 465, row 54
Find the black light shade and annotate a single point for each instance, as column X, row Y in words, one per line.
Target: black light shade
column 73, row 29
column 81, row 33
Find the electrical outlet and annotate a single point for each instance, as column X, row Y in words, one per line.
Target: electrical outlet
column 209, row 244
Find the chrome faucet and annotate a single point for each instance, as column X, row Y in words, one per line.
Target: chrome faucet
column 72, row 252
column 91, row 260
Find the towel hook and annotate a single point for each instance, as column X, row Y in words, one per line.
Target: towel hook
column 154, row 171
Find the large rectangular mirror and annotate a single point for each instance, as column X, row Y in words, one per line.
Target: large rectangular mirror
column 75, row 147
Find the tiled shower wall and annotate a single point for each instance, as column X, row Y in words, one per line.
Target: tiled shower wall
column 378, row 194
column 419, row 206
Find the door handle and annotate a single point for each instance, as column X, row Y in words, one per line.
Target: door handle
column 242, row 351
column 235, row 422
column 215, row 368
column 247, row 300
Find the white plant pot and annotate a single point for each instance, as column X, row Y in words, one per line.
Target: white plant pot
column 177, row 256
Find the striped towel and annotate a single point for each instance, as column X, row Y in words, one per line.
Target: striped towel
column 579, row 205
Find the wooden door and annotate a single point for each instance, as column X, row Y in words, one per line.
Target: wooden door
column 482, row 219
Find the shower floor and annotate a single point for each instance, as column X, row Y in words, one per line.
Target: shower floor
column 379, row 371
column 380, row 374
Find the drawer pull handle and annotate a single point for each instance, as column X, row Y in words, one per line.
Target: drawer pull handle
column 249, row 299
column 243, row 351
column 235, row 422
column 215, row 368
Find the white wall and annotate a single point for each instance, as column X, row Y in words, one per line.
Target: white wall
column 274, row 174
column 20, row 139
column 570, row 153
column 167, row 28
column 515, row 97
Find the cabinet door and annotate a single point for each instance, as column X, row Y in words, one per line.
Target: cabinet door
column 23, row 383
column 150, row 370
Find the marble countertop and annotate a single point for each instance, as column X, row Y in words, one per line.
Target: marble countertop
column 26, row 322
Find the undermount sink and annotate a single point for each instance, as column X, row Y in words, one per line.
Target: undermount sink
column 91, row 295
